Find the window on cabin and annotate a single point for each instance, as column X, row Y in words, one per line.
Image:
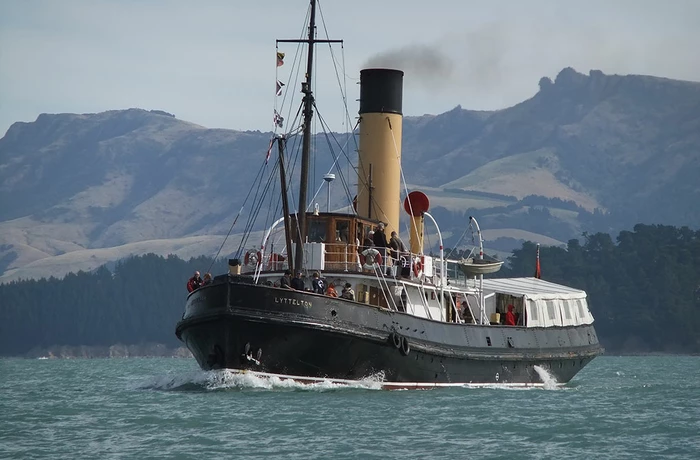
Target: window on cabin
column 550, row 310
column 342, row 231
column 317, row 231
column 567, row 311
column 362, row 230
column 534, row 314
column 581, row 310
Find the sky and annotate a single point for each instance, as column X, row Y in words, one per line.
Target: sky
column 213, row 62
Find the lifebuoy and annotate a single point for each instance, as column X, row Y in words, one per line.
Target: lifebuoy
column 417, row 267
column 372, row 258
column 252, row 257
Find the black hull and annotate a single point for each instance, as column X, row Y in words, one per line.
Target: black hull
column 231, row 325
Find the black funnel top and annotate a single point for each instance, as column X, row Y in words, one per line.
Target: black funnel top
column 381, row 90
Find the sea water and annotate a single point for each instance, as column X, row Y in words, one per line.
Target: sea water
column 141, row 408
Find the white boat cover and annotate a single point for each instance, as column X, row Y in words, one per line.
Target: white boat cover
column 547, row 304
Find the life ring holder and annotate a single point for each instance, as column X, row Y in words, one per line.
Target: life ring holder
column 417, row 268
column 372, row 258
column 252, row 257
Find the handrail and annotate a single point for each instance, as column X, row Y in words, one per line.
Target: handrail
column 379, row 273
column 258, row 269
column 481, row 276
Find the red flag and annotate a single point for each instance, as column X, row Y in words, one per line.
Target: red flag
column 280, row 59
column 538, row 272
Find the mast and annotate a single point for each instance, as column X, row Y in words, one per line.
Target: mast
column 308, row 101
column 285, row 204
column 306, row 148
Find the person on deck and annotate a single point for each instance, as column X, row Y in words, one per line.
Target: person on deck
column 298, row 282
column 397, row 247
column 510, row 316
column 286, row 280
column 318, row 284
column 348, row 293
column 194, row 283
column 207, row 279
column 368, row 242
column 331, row 292
column 380, row 243
column 379, row 237
column 466, row 313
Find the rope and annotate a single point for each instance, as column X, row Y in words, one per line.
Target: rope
column 335, row 161
column 262, row 167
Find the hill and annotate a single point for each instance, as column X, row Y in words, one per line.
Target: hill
column 587, row 153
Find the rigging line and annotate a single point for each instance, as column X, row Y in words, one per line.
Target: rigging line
column 256, row 210
column 295, row 69
column 343, row 85
column 343, row 88
column 293, row 161
column 272, row 208
column 259, row 174
column 346, row 113
column 363, row 181
column 296, row 65
column 330, row 48
column 457, row 244
column 256, row 207
column 335, row 158
column 225, row 238
column 314, row 128
column 254, row 213
column 257, row 180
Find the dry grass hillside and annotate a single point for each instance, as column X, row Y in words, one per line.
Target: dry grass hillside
column 587, row 153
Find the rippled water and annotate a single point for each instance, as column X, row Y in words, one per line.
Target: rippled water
column 617, row 407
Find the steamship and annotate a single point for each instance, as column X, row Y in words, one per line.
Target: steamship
column 415, row 320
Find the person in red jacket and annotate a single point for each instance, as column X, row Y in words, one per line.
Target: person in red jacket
column 194, row 283
column 510, row 316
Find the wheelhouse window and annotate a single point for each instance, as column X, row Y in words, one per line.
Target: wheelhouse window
column 317, row 231
column 342, row 231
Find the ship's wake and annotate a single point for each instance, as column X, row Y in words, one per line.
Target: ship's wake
column 233, row 380
column 227, row 380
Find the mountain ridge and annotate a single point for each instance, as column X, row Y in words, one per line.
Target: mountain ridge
column 624, row 146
